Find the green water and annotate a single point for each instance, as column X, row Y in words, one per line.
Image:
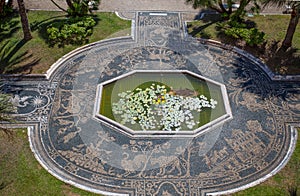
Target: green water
column 174, row 81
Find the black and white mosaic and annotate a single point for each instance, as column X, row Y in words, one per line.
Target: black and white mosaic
column 83, row 151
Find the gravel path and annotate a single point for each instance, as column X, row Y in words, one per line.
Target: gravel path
column 120, row 5
column 134, row 5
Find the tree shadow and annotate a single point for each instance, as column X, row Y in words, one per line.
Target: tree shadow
column 9, row 58
column 226, row 39
column 8, row 26
column 280, row 61
column 201, row 30
column 208, row 18
column 36, row 25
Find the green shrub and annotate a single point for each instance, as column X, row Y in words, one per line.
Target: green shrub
column 74, row 31
column 239, row 30
column 250, row 36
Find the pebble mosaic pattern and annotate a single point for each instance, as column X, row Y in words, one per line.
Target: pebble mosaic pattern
column 81, row 150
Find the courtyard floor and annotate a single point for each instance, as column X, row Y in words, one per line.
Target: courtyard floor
column 76, row 147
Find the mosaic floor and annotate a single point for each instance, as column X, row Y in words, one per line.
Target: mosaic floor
column 79, row 149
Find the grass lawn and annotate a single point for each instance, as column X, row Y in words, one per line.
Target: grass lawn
column 36, row 56
column 21, row 174
column 274, row 28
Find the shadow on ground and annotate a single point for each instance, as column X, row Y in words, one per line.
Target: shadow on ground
column 8, row 26
column 280, row 62
column 8, row 58
column 9, row 49
column 209, row 18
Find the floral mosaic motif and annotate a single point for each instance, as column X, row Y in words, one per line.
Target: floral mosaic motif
column 35, row 101
column 160, row 108
column 30, row 99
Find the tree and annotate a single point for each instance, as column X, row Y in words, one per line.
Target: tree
column 216, row 5
column 287, row 42
column 24, row 20
column 6, row 7
column 294, row 20
column 232, row 8
column 2, row 4
column 79, row 7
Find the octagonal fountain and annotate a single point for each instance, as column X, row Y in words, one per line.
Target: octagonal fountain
column 164, row 102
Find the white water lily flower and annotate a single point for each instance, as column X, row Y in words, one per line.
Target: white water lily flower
column 145, row 108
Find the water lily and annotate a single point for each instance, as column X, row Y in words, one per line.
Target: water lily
column 155, row 107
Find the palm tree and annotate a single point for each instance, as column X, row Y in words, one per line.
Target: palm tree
column 224, row 7
column 78, row 7
column 216, row 5
column 70, row 4
column 294, row 20
column 24, row 20
column 2, row 3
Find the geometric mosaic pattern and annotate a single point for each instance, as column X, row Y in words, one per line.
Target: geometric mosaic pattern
column 80, row 150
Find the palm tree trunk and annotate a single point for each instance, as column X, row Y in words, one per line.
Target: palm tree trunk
column 220, row 3
column 24, row 20
column 287, row 42
column 237, row 15
column 10, row 3
column 70, row 4
column 2, row 3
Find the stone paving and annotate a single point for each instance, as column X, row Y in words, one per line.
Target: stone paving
column 83, row 151
column 137, row 5
column 117, row 5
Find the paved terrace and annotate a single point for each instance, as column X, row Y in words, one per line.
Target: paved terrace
column 137, row 5
column 83, row 151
